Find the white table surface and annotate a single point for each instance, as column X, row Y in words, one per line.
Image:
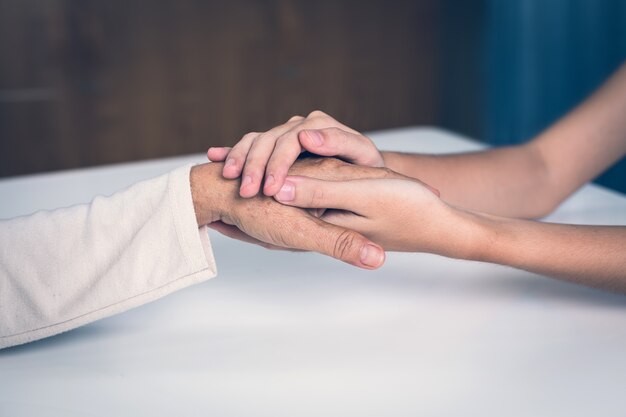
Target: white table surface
column 291, row 334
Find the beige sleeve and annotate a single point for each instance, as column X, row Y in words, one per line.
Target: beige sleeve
column 65, row 268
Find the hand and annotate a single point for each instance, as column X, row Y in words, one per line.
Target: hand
column 264, row 221
column 270, row 154
column 398, row 214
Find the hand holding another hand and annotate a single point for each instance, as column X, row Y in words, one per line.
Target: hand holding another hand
column 267, row 157
column 264, row 221
column 399, row 214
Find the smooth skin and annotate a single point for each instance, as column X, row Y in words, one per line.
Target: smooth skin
column 485, row 196
column 270, row 154
column 403, row 215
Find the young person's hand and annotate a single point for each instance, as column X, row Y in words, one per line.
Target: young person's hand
column 399, row 214
column 404, row 215
column 265, row 158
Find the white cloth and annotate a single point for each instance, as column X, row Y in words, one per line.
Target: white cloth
column 64, row 268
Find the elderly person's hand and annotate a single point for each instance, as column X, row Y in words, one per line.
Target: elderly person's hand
column 270, row 154
column 264, row 221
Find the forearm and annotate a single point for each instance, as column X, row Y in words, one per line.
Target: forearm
column 530, row 180
column 589, row 255
column 507, row 181
column 587, row 141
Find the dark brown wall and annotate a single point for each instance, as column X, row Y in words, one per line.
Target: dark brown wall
column 91, row 82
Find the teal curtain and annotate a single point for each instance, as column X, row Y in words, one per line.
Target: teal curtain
column 542, row 57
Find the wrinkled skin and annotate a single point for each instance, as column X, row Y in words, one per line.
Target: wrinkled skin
column 262, row 220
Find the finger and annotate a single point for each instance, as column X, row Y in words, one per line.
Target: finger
column 237, row 156
column 312, row 193
column 234, row 233
column 351, row 147
column 340, row 243
column 256, row 160
column 285, row 153
column 218, row 154
column 288, row 148
column 318, row 119
column 255, row 164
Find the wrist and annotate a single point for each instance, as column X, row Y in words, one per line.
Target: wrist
column 473, row 235
column 208, row 191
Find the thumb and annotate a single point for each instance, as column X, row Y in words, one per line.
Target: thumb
column 305, row 192
column 333, row 240
column 351, row 147
column 346, row 245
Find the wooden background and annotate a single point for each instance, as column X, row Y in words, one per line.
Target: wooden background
column 90, row 82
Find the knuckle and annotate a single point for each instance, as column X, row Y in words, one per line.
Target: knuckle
column 325, row 162
column 331, row 163
column 260, row 137
column 264, row 137
column 387, row 173
column 336, row 133
column 390, row 173
column 286, row 140
column 295, row 118
column 317, row 113
column 249, row 136
column 343, row 244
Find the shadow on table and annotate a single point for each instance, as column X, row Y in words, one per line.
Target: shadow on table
column 90, row 331
column 405, row 273
column 548, row 290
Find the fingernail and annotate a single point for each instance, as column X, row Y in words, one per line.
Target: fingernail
column 229, row 162
column 286, row 193
column 247, row 180
column 371, row 255
column 315, row 137
column 269, row 180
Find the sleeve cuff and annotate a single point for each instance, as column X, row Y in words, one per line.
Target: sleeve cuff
column 194, row 241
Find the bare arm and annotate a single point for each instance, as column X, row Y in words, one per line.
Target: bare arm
column 403, row 215
column 532, row 179
column 508, row 181
column 589, row 255
column 525, row 181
